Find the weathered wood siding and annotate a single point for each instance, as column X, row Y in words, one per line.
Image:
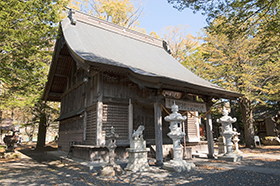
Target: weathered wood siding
column 115, row 86
column 91, row 125
column 73, row 98
column 78, row 95
column 144, row 115
column 116, row 115
column 70, row 130
column 114, row 91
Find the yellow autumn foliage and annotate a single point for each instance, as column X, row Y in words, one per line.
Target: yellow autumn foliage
column 121, row 12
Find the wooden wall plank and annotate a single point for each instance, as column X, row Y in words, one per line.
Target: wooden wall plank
column 91, row 125
column 70, row 130
column 116, row 115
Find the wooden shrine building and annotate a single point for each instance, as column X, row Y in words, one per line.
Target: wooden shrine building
column 106, row 75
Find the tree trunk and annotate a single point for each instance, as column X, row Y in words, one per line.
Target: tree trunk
column 41, row 138
column 247, row 118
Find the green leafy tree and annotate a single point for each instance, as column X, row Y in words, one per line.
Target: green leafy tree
column 180, row 41
column 237, row 12
column 237, row 65
column 249, row 17
column 242, row 46
column 120, row 12
column 28, row 30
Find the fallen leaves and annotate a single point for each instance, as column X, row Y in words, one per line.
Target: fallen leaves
column 206, row 167
column 3, row 160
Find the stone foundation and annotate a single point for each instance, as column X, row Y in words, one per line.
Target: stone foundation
column 138, row 160
column 96, row 153
column 231, row 158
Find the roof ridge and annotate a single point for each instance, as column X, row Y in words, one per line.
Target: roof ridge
column 76, row 15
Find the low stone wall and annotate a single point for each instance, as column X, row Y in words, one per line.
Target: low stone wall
column 96, row 153
column 101, row 153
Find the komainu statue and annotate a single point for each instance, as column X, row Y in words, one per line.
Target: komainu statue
column 138, row 134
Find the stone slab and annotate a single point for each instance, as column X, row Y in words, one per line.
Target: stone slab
column 110, row 170
column 231, row 158
column 179, row 166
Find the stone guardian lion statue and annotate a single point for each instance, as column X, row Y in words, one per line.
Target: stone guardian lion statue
column 138, row 134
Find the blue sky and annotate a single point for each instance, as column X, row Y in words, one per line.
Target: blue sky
column 159, row 14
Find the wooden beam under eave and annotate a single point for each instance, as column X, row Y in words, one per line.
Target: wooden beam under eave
column 53, row 66
column 66, row 57
column 73, row 88
column 61, row 75
column 55, row 94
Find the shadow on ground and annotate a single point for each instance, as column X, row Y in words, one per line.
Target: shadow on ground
column 48, row 170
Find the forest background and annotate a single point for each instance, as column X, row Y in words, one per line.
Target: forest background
column 238, row 50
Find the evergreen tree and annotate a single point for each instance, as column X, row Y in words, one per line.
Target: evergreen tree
column 28, row 30
column 120, row 12
column 238, row 65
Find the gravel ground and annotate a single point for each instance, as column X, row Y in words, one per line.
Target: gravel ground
column 40, row 169
column 266, row 157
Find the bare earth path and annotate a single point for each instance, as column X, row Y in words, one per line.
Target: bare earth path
column 45, row 169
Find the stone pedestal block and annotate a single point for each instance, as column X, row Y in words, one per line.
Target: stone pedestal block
column 231, row 157
column 110, row 170
column 221, row 145
column 179, row 166
column 138, row 160
column 187, row 153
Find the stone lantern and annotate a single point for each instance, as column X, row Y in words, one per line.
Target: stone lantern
column 111, row 145
column 111, row 169
column 176, row 134
column 228, row 133
column 235, row 140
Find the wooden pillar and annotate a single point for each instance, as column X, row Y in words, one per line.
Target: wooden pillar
column 85, row 94
column 209, row 128
column 85, row 126
column 130, row 119
column 99, row 111
column 158, row 133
